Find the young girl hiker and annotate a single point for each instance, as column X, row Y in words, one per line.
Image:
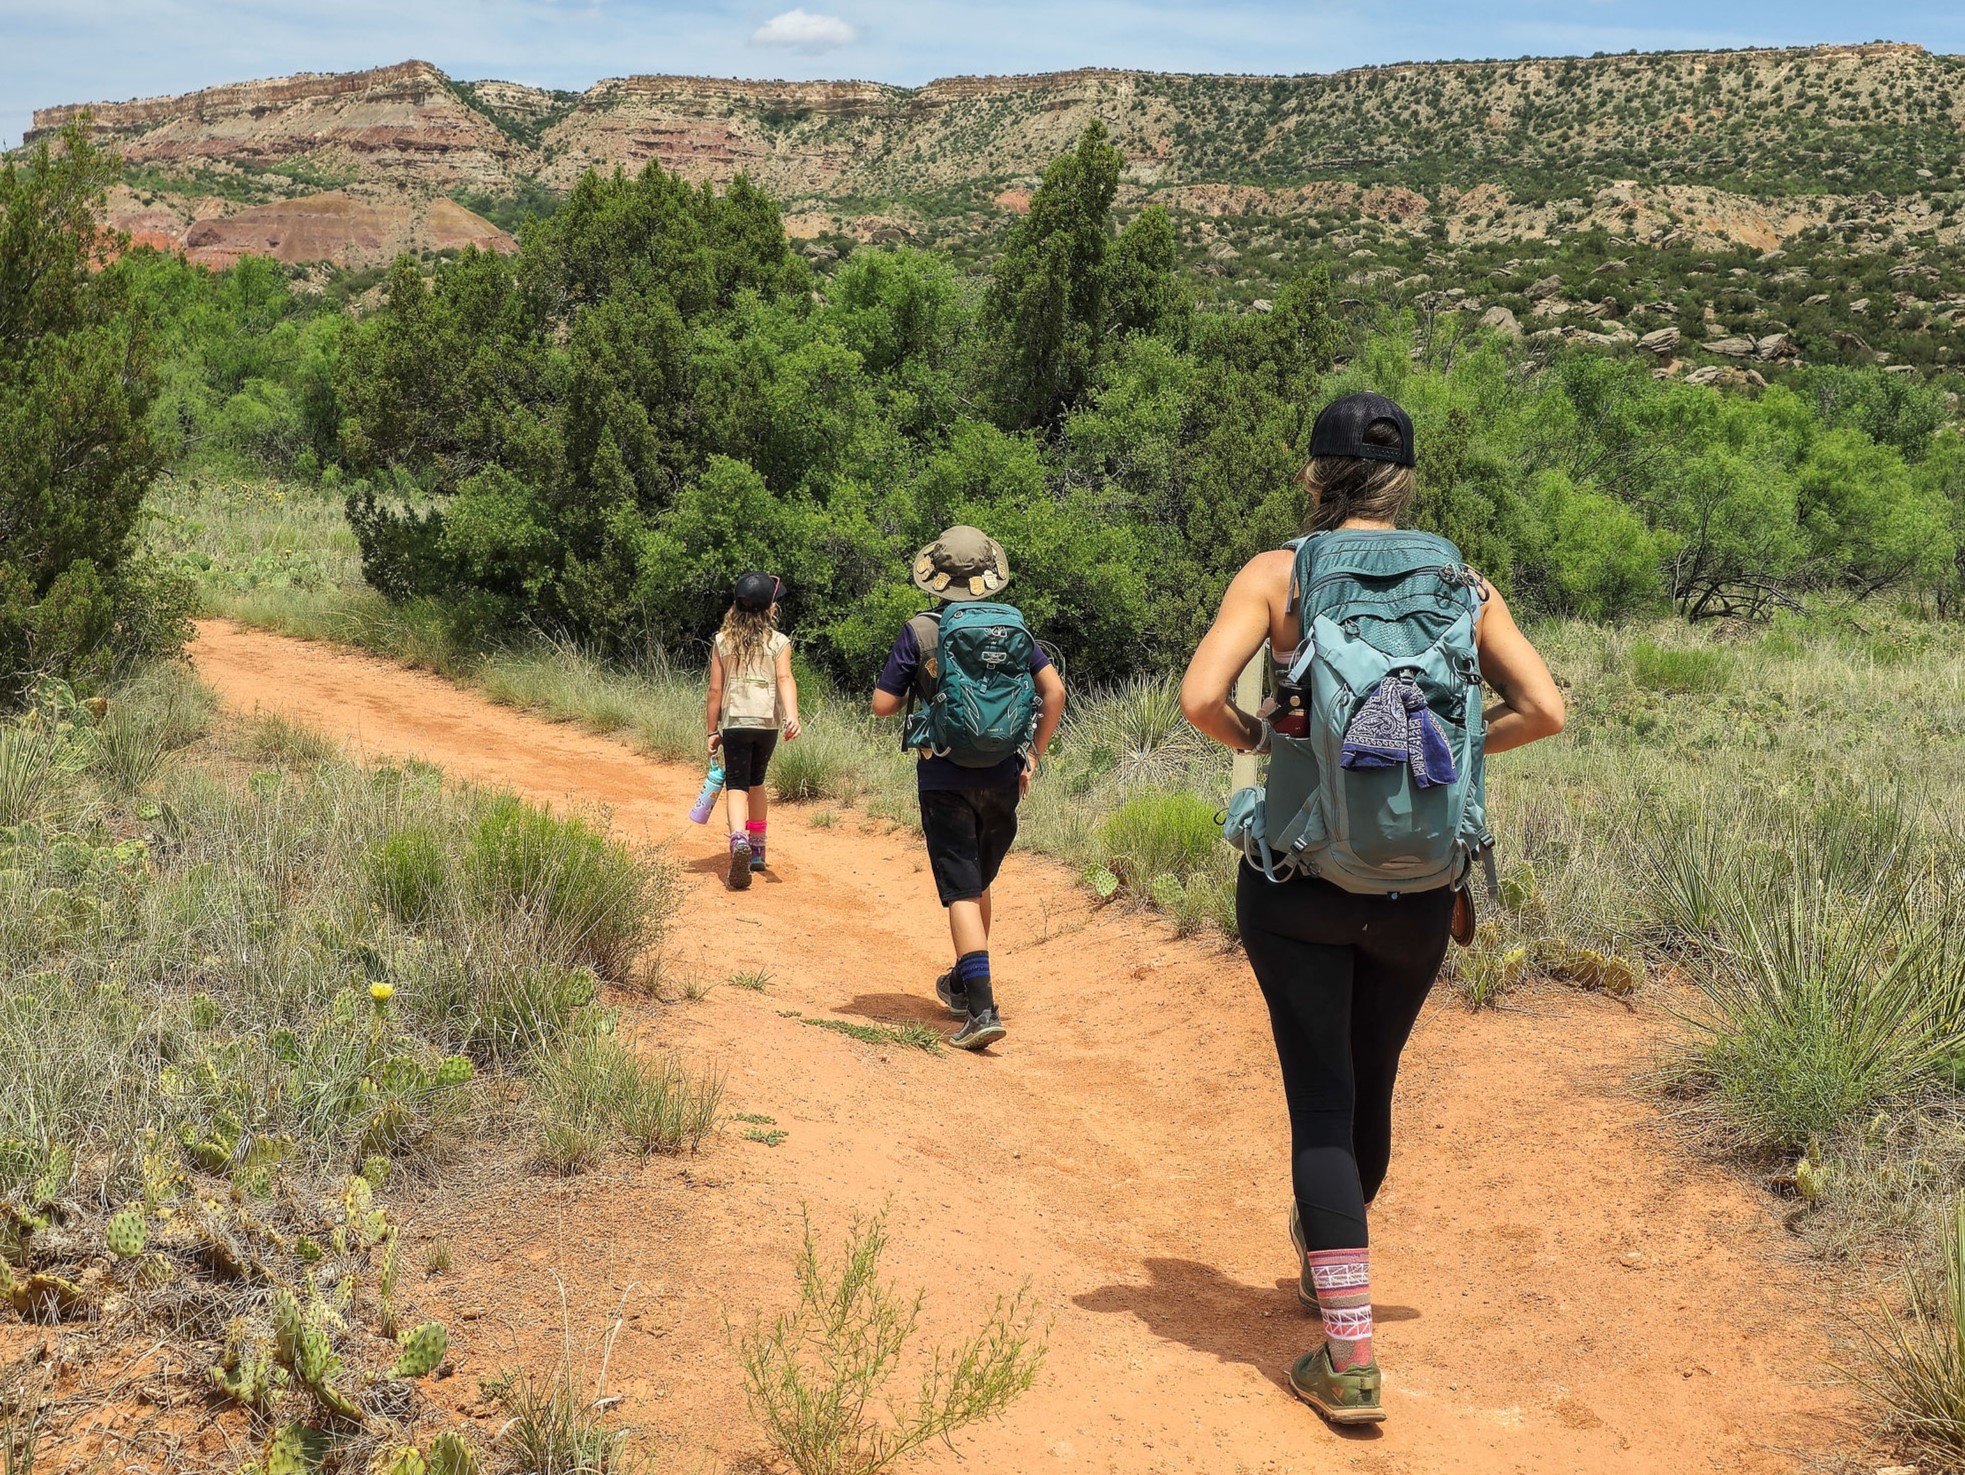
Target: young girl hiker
column 752, row 696
column 1359, row 845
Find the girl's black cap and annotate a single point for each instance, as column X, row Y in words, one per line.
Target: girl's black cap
column 756, row 591
column 1340, row 429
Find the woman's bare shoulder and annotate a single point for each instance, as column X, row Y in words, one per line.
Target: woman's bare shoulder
column 1268, row 571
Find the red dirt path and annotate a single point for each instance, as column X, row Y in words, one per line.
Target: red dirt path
column 1558, row 1290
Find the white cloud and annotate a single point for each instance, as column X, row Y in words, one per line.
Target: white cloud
column 803, row 31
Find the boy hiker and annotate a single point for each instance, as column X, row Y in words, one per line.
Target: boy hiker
column 989, row 702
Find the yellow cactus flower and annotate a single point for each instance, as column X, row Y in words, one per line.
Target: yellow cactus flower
column 381, row 992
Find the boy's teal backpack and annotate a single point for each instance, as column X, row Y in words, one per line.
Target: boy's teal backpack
column 979, row 700
column 1374, row 604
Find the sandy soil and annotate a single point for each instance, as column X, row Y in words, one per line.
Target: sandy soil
column 1558, row 1288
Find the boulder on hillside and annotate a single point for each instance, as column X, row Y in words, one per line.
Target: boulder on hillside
column 1499, row 274
column 1776, row 346
column 1660, row 341
column 1547, row 287
column 1861, row 304
column 1817, row 300
column 1900, row 368
column 1612, row 268
column 1501, row 321
column 1705, row 375
column 1853, row 343
column 1734, row 348
column 1262, row 304
column 1603, row 309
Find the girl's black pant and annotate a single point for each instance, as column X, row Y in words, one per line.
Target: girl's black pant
column 1344, row 977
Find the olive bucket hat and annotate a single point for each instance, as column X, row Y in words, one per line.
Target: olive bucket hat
column 963, row 563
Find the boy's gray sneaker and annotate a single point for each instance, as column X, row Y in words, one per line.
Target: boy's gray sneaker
column 981, row 1031
column 739, row 875
column 954, row 999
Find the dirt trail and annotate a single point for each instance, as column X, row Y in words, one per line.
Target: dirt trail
column 1558, row 1290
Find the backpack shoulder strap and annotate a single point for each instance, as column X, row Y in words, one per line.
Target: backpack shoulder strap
column 927, row 628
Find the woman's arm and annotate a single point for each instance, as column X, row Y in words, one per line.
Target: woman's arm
column 788, row 693
column 1239, row 631
column 715, row 711
column 1530, row 707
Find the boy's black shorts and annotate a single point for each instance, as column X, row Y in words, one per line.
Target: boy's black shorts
column 746, row 753
column 968, row 832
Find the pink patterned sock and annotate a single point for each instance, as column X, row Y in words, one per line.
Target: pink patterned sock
column 754, row 831
column 1343, row 1281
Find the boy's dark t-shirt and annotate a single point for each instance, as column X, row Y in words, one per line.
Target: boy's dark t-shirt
column 941, row 775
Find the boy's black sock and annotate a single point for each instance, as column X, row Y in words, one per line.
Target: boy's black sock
column 972, row 974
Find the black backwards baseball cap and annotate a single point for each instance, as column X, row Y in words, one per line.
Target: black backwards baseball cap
column 1340, row 429
column 757, row 591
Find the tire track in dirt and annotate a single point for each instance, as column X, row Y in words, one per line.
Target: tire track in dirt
column 1558, row 1290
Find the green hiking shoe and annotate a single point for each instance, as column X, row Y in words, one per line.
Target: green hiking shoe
column 1306, row 1287
column 1343, row 1398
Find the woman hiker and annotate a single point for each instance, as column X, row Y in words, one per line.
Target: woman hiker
column 752, row 695
column 1345, row 956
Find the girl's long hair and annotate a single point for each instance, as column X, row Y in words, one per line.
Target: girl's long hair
column 1344, row 487
column 746, row 636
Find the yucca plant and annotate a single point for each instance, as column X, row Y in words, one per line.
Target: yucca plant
column 1917, row 1355
column 1824, row 1001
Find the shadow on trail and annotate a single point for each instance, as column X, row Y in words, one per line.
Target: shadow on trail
column 895, row 1009
column 1199, row 1307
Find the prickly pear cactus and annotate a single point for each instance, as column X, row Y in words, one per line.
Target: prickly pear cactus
column 286, row 1325
column 403, row 1459
column 293, row 1450
column 453, row 1071
column 128, row 1233
column 450, row 1455
column 423, row 1350
column 54, row 1177
column 375, row 1168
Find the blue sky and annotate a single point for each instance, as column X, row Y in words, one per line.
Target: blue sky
column 83, row 50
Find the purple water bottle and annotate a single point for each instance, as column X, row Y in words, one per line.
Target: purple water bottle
column 706, row 801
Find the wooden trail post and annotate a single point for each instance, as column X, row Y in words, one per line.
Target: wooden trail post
column 1248, row 696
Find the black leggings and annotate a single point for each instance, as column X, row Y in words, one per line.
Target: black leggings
column 1344, row 977
column 746, row 754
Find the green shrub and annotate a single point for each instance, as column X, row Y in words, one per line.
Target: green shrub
column 408, row 873
column 1164, row 834
column 812, row 1373
column 593, row 899
column 1679, row 671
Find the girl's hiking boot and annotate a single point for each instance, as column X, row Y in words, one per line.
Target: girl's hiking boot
column 979, row 1032
column 757, row 860
column 1306, row 1288
column 739, row 875
column 954, row 998
column 1343, row 1398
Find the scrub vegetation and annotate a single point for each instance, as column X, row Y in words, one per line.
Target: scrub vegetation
column 297, row 976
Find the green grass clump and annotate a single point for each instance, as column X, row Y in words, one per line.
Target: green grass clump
column 823, row 764
column 408, row 873
column 595, row 1091
column 914, row 1036
column 586, row 892
column 1165, row 848
column 1679, row 671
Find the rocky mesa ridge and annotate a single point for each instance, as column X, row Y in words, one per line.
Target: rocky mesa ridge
column 1736, row 147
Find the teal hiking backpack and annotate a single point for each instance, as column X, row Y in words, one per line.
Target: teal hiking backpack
column 1388, row 622
column 979, row 700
